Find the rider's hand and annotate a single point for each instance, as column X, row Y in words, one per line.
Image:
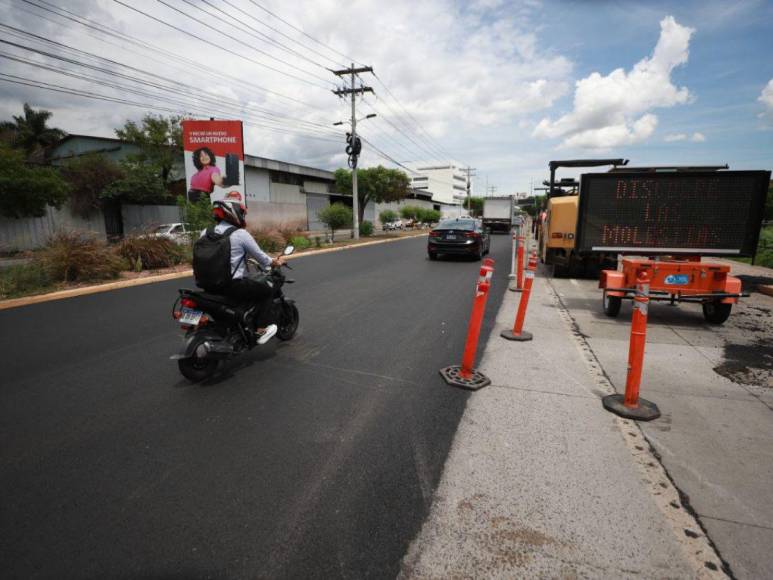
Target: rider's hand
column 277, row 262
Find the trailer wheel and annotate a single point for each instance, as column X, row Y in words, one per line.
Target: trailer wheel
column 612, row 305
column 716, row 312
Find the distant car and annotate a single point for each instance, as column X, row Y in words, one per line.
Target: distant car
column 394, row 225
column 177, row 232
column 460, row 236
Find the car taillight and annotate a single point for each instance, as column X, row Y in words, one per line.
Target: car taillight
column 472, row 235
column 434, row 233
column 188, row 303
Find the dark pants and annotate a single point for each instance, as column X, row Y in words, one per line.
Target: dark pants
column 255, row 291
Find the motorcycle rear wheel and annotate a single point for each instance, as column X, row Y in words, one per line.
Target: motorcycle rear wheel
column 197, row 369
column 288, row 321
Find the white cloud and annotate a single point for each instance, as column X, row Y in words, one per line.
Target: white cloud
column 613, row 110
column 695, row 138
column 766, row 98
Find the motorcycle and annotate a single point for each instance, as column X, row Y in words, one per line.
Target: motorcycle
column 218, row 328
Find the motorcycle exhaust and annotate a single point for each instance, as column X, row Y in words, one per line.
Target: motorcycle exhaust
column 214, row 349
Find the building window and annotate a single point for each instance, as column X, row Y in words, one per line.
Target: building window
column 284, row 177
column 420, row 178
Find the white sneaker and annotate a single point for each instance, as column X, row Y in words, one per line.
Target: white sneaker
column 268, row 334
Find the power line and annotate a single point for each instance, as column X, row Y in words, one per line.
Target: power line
column 348, row 58
column 228, row 50
column 253, row 32
column 154, row 49
column 441, row 149
column 290, row 38
column 88, row 94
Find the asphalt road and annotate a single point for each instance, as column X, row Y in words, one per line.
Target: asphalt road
column 313, row 458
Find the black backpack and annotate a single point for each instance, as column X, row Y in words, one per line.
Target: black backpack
column 212, row 260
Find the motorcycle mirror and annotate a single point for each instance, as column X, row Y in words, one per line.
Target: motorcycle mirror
column 289, row 250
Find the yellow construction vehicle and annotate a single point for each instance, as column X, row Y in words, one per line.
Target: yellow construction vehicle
column 558, row 223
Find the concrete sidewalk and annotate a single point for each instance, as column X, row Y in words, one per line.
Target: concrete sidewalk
column 542, row 482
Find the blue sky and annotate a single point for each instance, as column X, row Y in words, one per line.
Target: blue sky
column 489, row 83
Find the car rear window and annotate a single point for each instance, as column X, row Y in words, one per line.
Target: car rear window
column 456, row 225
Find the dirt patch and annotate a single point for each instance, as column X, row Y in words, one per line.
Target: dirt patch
column 750, row 283
column 748, row 364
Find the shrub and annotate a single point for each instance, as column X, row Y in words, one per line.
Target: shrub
column 387, row 216
column 430, row 216
column 77, row 257
column 300, row 242
column 409, row 212
column 269, row 240
column 317, row 242
column 197, row 215
column 336, row 216
column 366, row 228
column 23, row 280
column 150, row 253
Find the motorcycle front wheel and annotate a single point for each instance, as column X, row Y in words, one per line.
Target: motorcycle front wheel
column 288, row 321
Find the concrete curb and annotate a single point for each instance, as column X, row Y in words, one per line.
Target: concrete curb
column 73, row 292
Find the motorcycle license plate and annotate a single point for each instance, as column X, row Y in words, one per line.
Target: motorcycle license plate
column 190, row 316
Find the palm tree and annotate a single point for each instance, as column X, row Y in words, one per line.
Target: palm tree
column 31, row 133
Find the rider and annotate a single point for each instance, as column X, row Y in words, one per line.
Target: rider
column 232, row 211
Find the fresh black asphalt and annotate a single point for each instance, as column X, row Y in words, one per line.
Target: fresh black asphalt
column 312, row 458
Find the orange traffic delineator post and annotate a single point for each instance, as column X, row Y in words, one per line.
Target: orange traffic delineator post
column 630, row 405
column 518, row 333
column 465, row 376
column 518, row 286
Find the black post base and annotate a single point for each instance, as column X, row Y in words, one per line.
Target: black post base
column 524, row 336
column 452, row 375
column 645, row 411
column 514, row 288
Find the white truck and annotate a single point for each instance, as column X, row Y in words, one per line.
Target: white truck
column 498, row 213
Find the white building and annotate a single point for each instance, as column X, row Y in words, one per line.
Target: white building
column 444, row 180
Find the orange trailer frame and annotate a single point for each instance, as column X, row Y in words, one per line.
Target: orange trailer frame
column 684, row 279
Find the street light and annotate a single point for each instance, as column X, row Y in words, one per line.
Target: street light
column 358, row 120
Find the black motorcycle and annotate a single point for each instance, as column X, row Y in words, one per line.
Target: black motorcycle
column 218, row 328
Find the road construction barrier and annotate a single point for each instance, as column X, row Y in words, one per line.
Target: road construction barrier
column 518, row 333
column 521, row 248
column 630, row 405
column 465, row 376
column 514, row 249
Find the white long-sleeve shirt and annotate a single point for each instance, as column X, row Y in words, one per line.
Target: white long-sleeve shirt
column 243, row 245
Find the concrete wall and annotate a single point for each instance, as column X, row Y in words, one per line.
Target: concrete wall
column 32, row 233
column 268, row 214
column 286, row 193
column 140, row 218
column 258, row 184
column 316, row 187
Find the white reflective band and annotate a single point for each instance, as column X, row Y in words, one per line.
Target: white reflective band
column 530, row 273
column 643, row 307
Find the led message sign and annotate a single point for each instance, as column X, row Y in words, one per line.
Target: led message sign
column 711, row 212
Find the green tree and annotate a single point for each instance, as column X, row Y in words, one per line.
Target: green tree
column 474, row 205
column 26, row 190
column 335, row 217
column 31, row 133
column 430, row 216
column 89, row 176
column 387, row 216
column 140, row 183
column 376, row 184
column 159, row 140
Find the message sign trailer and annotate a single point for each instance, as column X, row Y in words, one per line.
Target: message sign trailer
column 214, row 159
column 673, row 219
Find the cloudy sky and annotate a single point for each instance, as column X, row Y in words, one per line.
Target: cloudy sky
column 501, row 86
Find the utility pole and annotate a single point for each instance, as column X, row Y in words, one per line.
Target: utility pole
column 354, row 143
column 469, row 172
column 492, row 190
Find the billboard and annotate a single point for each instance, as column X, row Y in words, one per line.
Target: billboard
column 701, row 212
column 214, row 159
